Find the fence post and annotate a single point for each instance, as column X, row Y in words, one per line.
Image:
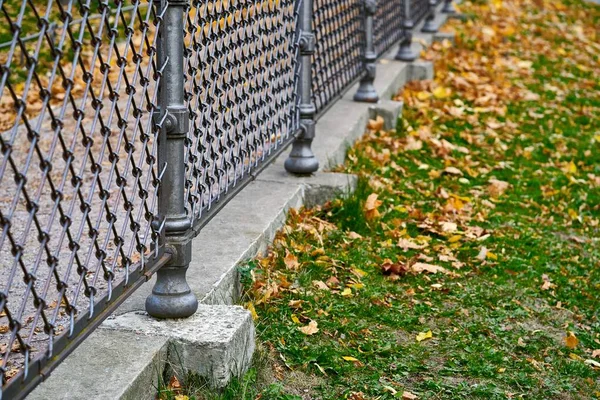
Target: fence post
column 171, row 296
column 448, row 7
column 366, row 91
column 430, row 26
column 406, row 52
column 301, row 160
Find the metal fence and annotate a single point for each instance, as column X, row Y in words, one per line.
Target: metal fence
column 126, row 124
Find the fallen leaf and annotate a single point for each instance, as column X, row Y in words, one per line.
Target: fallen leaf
column 320, row 285
column 431, row 268
column 407, row 244
column 291, row 261
column 442, row 92
column 592, row 363
column 250, row 307
column 409, row 396
column 496, row 188
column 453, row 171
column 571, row 340
column 596, row 353
column 390, row 268
column 482, row 254
column 309, row 329
column 371, row 206
column 348, row 358
column 376, row 124
column 424, row 336
column 354, row 235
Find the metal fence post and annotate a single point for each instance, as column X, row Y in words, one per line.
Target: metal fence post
column 406, row 52
column 171, row 296
column 448, row 7
column 301, row 159
column 366, row 91
column 430, row 26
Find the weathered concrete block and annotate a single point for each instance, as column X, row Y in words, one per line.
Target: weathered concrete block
column 420, row 70
column 389, row 110
column 217, row 342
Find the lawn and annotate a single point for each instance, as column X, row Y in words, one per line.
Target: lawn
column 466, row 264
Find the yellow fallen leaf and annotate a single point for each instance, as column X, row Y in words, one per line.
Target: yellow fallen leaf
column 423, row 96
column 348, row 358
column 181, row 397
column 424, row 336
column 347, row 292
column 309, row 329
column 454, row 238
column 295, row 319
column 571, row 340
column 250, row 307
column 442, row 92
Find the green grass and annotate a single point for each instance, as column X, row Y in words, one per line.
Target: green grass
column 498, row 330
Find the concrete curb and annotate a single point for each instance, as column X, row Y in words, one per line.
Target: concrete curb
column 127, row 356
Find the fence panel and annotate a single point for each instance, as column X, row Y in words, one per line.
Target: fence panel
column 338, row 61
column 388, row 24
column 418, row 10
column 241, row 90
column 78, row 171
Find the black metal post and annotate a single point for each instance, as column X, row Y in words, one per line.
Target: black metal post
column 406, row 51
column 301, row 160
column 366, row 91
column 171, row 296
column 430, row 26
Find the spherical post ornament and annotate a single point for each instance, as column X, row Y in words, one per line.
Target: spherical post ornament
column 448, row 7
column 302, row 160
column 406, row 51
column 366, row 91
column 430, row 25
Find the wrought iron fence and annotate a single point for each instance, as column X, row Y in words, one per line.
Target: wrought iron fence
column 126, row 124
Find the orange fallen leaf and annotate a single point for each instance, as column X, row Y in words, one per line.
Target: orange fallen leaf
column 571, row 340
column 371, row 206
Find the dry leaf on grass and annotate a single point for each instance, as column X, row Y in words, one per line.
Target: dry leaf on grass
column 291, row 261
column 409, row 396
column 431, row 268
column 571, row 340
column 497, row 188
column 371, row 206
column 424, row 336
column 309, row 329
